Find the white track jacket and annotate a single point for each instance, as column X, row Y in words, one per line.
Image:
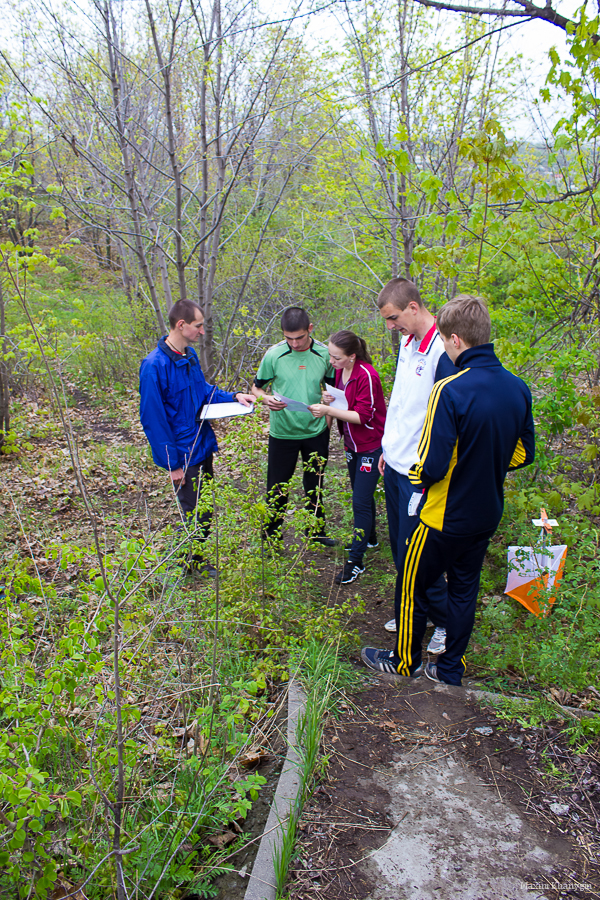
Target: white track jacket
column 415, row 377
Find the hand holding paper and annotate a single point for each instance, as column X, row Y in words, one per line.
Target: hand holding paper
column 272, row 403
column 338, row 398
column 292, row 405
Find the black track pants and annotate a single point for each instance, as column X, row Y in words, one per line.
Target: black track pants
column 364, row 475
column 188, row 495
column 430, row 553
column 283, row 456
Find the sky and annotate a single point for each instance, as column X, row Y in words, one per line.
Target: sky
column 532, row 40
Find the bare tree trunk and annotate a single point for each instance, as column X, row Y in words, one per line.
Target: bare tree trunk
column 207, row 351
column 166, row 70
column 407, row 217
column 107, row 233
column 4, row 374
column 118, row 100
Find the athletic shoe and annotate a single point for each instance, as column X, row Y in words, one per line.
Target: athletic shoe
column 373, row 544
column 385, row 661
column 349, row 573
column 437, row 644
column 198, row 564
column 432, row 673
column 323, row 540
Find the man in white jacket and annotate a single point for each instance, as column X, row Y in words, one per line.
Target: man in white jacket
column 421, row 362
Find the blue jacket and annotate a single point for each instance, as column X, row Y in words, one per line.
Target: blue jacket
column 478, row 426
column 173, row 390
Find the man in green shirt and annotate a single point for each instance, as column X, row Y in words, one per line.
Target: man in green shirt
column 297, row 368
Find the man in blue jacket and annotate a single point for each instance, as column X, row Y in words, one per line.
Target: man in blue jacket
column 173, row 391
column 478, row 426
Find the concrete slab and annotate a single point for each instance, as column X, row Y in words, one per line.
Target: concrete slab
column 262, row 884
column 455, row 837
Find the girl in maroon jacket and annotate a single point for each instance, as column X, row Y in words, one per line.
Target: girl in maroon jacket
column 361, row 426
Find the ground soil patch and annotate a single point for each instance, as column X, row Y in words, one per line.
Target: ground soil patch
column 532, row 771
column 350, row 814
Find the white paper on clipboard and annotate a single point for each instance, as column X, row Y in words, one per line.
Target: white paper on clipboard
column 339, row 401
column 225, row 410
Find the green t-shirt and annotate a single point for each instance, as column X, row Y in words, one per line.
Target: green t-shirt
column 299, row 376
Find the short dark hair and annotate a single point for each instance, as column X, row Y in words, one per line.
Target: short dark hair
column 183, row 309
column 351, row 343
column 294, row 318
column 467, row 317
column 399, row 292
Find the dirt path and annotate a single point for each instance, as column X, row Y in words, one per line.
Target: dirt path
column 418, row 804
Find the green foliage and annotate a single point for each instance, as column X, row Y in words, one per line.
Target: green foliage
column 559, row 648
column 323, row 674
column 584, row 733
column 58, row 700
column 526, row 713
column 476, row 213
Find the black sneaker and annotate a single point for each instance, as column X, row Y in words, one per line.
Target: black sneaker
column 349, row 573
column 198, row 564
column 385, row 661
column 323, row 540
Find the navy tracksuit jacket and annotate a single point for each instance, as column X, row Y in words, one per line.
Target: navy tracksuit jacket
column 478, row 425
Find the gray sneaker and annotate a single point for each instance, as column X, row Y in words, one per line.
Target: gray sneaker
column 437, row 644
column 431, row 672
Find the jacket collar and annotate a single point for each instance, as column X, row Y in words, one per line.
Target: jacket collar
column 178, row 358
column 427, row 340
column 477, row 357
column 353, row 377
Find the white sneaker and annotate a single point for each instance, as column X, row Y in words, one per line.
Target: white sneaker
column 437, row 644
column 391, row 626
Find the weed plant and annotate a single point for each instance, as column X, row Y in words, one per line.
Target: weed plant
column 562, row 646
column 582, row 732
column 323, row 673
column 198, row 664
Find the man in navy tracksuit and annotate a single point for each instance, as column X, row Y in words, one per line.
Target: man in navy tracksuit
column 173, row 391
column 478, row 426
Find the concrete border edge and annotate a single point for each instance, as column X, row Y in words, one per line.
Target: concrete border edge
column 262, row 883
